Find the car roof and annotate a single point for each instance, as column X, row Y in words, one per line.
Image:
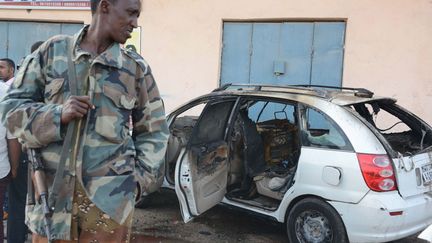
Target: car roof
column 343, row 96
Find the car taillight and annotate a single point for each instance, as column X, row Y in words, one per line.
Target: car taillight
column 377, row 172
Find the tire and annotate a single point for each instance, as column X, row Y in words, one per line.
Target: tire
column 312, row 220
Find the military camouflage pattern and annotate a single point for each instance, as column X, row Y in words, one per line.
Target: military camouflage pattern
column 106, row 159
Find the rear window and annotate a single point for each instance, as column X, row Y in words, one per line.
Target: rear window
column 406, row 133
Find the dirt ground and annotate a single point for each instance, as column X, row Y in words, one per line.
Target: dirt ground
column 161, row 222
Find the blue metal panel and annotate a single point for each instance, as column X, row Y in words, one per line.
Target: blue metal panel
column 3, row 39
column 265, row 43
column 236, row 53
column 296, row 51
column 328, row 52
column 70, row 29
column 283, row 53
column 22, row 35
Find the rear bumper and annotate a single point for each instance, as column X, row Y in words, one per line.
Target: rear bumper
column 370, row 219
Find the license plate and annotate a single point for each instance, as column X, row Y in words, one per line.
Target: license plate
column 427, row 173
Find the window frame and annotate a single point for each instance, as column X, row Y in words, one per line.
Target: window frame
column 302, row 109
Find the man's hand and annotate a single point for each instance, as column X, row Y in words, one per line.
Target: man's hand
column 14, row 153
column 75, row 107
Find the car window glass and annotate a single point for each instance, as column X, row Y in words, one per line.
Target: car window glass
column 321, row 131
column 184, row 122
column 262, row 111
column 194, row 111
column 268, row 133
column 212, row 123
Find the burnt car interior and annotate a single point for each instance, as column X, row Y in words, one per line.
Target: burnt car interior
column 264, row 147
column 264, row 152
column 405, row 132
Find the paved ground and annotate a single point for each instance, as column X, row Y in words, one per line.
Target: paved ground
column 161, row 222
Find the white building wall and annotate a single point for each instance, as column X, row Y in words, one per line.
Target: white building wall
column 387, row 48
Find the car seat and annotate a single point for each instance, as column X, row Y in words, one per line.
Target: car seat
column 253, row 156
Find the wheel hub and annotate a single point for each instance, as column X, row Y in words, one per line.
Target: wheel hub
column 312, row 226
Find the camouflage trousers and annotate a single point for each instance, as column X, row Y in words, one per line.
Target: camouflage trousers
column 90, row 224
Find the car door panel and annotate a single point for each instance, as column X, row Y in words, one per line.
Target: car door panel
column 202, row 171
column 209, row 177
column 328, row 159
column 203, row 184
column 315, row 163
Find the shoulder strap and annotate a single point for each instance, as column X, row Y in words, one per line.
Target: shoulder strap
column 66, row 149
column 71, row 68
column 139, row 59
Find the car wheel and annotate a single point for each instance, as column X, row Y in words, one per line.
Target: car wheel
column 312, row 220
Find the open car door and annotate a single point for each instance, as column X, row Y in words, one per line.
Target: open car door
column 201, row 174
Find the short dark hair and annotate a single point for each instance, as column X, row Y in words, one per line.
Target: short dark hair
column 9, row 62
column 94, row 4
column 35, row 46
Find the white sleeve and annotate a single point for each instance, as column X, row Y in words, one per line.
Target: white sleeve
column 9, row 135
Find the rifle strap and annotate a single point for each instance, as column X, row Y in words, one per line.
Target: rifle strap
column 67, row 148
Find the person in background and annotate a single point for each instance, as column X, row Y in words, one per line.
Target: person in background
column 7, row 70
column 32, row 49
column 17, row 192
column 10, row 151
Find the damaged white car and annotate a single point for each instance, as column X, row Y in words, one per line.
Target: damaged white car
column 333, row 164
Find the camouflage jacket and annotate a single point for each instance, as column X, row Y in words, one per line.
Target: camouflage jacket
column 109, row 161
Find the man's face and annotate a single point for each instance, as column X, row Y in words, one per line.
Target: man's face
column 6, row 72
column 123, row 18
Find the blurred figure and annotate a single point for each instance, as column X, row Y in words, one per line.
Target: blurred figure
column 35, row 46
column 32, row 49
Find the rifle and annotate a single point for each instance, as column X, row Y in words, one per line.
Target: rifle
column 38, row 168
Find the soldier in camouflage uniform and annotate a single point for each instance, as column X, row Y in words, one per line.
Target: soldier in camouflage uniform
column 107, row 167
